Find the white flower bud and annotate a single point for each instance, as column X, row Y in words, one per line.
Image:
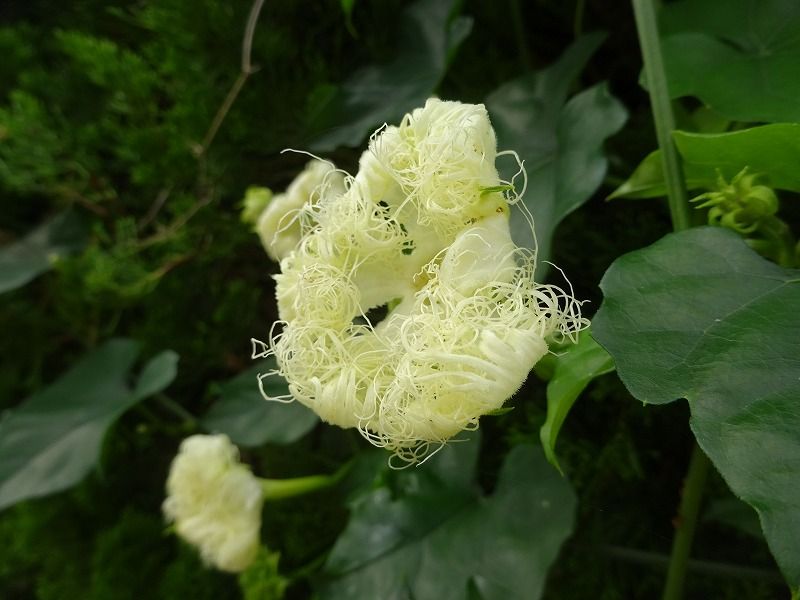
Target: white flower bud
column 215, row 502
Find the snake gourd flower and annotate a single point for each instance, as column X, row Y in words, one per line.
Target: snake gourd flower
column 215, row 502
column 422, row 229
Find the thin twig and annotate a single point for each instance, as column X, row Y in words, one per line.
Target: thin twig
column 176, row 409
column 155, row 208
column 168, row 232
column 247, row 69
column 249, row 32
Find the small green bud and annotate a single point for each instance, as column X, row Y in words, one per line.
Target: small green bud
column 740, row 205
column 255, row 201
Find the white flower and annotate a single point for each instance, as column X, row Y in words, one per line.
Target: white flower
column 215, row 502
column 422, row 228
column 279, row 225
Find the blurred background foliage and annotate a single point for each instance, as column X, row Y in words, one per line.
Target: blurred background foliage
column 105, row 112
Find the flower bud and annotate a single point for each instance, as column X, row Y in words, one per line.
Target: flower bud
column 255, row 201
column 215, row 502
column 740, row 205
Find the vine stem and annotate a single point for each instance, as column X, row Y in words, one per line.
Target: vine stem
column 686, row 523
column 647, row 28
column 247, row 69
column 699, row 464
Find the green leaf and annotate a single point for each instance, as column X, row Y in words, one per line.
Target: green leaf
column 429, row 38
column 647, row 181
column 575, row 368
column 560, row 141
column 249, row 420
column 435, row 536
column 53, row 439
column 734, row 513
column 773, row 150
column 157, row 374
column 36, row 253
column 699, row 315
column 740, row 57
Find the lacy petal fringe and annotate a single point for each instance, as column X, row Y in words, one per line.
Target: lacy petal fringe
column 422, row 230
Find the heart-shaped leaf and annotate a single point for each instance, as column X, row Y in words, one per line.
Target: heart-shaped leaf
column 53, row 439
column 740, row 57
column 429, row 38
column 436, row 537
column 699, row 315
column 560, row 141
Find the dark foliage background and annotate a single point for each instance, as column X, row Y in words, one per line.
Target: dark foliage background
column 103, row 110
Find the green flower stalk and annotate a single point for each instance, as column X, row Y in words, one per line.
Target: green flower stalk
column 422, row 229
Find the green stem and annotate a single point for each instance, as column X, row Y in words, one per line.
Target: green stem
column 278, row 489
column 176, row 409
column 686, row 523
column 577, row 23
column 706, row 567
column 647, row 28
column 519, row 34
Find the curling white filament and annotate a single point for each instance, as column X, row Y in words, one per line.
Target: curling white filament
column 422, row 228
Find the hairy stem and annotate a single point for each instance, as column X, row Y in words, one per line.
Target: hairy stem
column 647, row 28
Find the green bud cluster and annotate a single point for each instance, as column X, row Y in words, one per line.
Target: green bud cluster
column 740, row 205
column 751, row 210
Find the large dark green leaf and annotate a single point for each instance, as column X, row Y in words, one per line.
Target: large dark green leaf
column 249, row 420
column 429, row 37
column 561, row 142
column 574, row 370
column 31, row 256
column 699, row 315
column 53, row 439
column 436, row 537
column 740, row 57
column 773, row 150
